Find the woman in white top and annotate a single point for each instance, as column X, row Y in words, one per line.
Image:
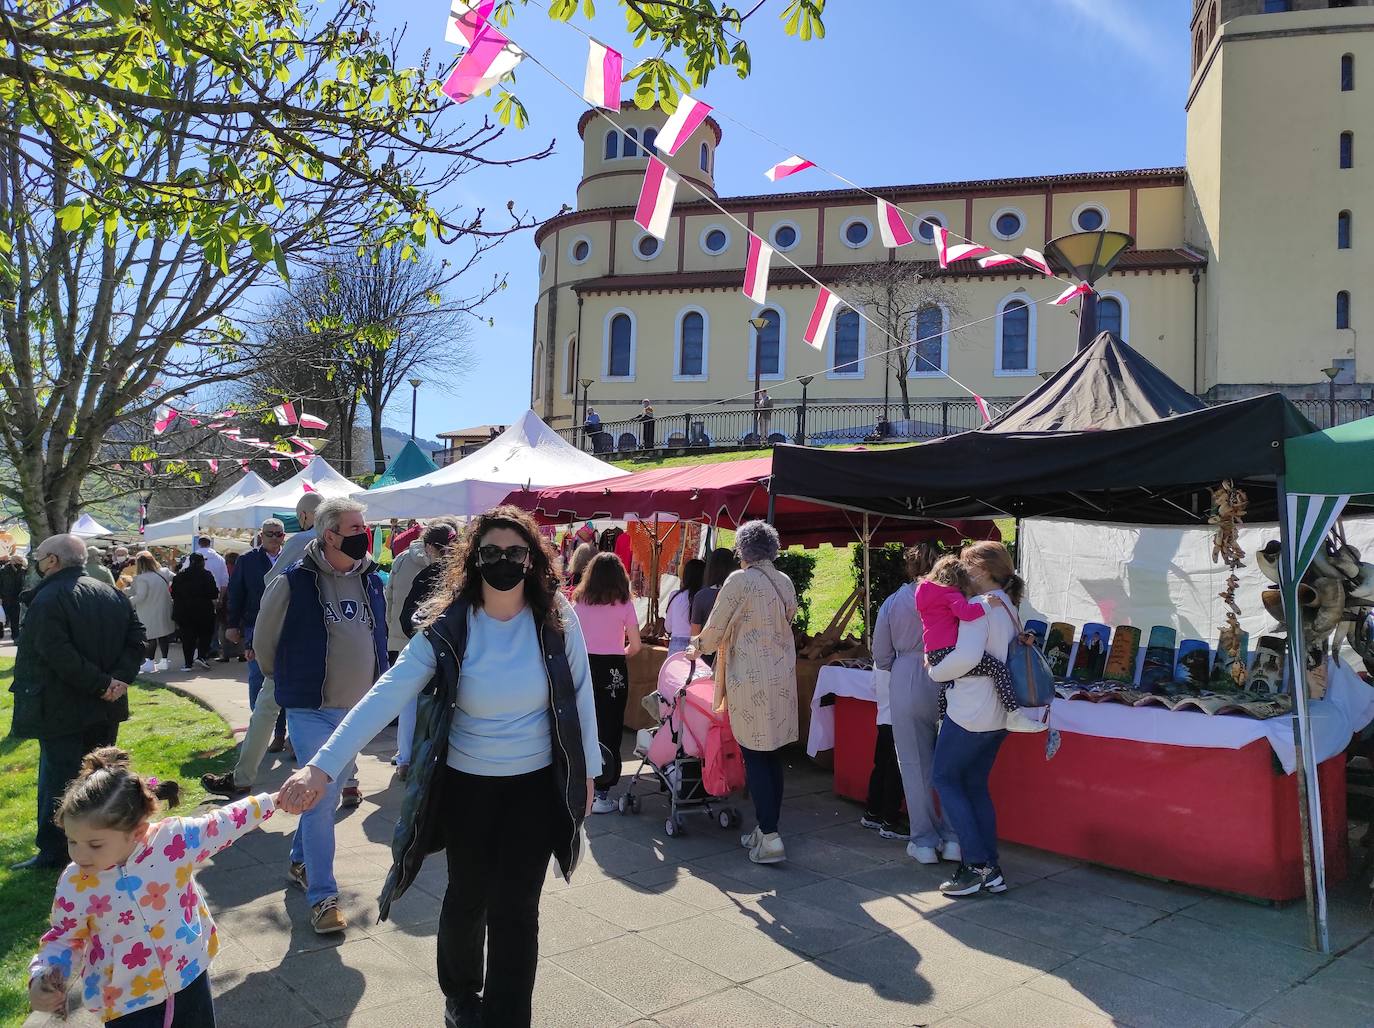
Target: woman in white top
column 152, row 602
column 677, row 616
column 975, row 721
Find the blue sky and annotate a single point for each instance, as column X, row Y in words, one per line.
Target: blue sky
column 899, row 91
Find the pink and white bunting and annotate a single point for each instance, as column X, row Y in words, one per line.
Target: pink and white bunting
column 997, row 260
column 164, row 420
column 756, row 268
column 681, row 124
column 231, row 433
column 273, row 463
column 982, row 408
column 957, row 252
column 892, row 226
column 1068, row 294
column 214, row 466
column 311, row 422
column 819, row 323
column 309, row 447
column 656, row 198
column 601, row 85
column 284, row 413
column 489, row 59
column 148, row 467
column 791, row 166
column 1036, row 258
column 465, row 18
column 243, row 465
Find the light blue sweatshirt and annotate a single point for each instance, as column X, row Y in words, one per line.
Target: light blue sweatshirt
column 501, row 726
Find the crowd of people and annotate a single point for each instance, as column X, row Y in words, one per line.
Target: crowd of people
column 508, row 678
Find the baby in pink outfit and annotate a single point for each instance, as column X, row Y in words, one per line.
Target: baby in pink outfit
column 942, row 602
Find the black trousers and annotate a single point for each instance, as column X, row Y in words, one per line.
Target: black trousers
column 499, row 837
column 59, row 762
column 611, row 690
column 192, row 1007
column 195, row 640
column 11, row 608
column 151, row 651
column 885, row 792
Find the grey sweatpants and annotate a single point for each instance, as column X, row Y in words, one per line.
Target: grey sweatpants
column 915, row 714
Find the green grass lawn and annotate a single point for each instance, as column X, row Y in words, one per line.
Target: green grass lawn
column 169, row 736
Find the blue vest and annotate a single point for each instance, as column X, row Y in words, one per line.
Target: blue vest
column 303, row 647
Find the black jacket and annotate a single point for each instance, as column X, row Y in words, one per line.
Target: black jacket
column 429, row 576
column 246, row 585
column 11, row 582
column 194, row 595
column 418, row 829
column 79, row 634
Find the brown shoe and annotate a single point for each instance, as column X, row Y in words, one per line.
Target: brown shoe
column 295, row 874
column 223, row 785
column 326, row 917
column 277, row 744
column 352, row 796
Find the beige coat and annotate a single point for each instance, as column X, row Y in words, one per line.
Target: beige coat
column 750, row 627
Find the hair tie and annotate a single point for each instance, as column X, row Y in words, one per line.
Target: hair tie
column 152, row 781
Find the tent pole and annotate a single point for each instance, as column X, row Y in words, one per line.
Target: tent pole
column 771, row 500
column 1296, row 667
column 868, row 586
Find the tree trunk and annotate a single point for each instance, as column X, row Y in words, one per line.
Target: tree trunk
column 378, row 448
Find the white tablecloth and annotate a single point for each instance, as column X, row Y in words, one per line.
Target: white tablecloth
column 1347, row 708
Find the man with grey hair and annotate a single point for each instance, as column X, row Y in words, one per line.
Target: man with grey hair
column 321, row 634
column 80, row 646
column 263, row 727
column 95, row 566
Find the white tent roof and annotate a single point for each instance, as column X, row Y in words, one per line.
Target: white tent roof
column 249, row 512
column 183, row 526
column 528, row 453
column 88, row 528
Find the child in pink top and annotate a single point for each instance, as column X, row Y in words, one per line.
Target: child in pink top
column 942, row 601
column 129, row 922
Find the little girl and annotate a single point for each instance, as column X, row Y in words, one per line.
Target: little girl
column 942, row 601
column 129, row 921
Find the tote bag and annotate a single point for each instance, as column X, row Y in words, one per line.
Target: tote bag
column 1031, row 677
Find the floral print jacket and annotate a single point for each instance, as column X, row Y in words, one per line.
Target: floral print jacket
column 136, row 933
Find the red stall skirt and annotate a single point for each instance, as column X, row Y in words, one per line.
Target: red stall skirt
column 1221, row 819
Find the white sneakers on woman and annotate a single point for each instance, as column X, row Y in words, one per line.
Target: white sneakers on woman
column 764, row 849
column 930, row 855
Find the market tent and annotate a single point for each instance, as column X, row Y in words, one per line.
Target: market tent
column 726, row 494
column 88, row 528
column 410, row 463
column 527, row 455
column 249, row 512
column 183, row 526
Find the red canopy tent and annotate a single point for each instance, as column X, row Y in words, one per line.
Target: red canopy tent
column 726, row 494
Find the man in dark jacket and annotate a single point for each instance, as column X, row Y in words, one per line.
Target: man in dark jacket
column 80, row 646
column 11, row 585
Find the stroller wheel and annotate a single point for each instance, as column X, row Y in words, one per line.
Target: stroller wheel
column 633, row 801
column 624, row 803
column 725, row 819
column 671, row 827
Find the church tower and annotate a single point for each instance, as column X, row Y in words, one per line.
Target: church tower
column 613, row 162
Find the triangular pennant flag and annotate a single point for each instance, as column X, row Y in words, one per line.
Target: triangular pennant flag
column 1070, row 293
column 285, row 413
column 791, row 166
column 311, row 422
column 756, row 269
column 601, row 85
column 681, row 124
column 465, row 17
column 489, row 59
column 819, row 324
column 167, row 417
column 308, row 487
column 892, row 226
column 958, row 252
column 997, row 260
column 1036, row 258
column 656, row 198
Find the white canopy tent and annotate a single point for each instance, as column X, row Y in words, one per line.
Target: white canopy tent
column 183, row 527
column 88, row 528
column 249, row 512
column 528, row 454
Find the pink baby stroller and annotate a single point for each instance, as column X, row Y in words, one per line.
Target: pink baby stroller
column 677, row 751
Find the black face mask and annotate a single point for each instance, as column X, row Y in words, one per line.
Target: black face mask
column 502, row 575
column 354, row 547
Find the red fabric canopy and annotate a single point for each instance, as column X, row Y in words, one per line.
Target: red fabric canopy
column 727, row 494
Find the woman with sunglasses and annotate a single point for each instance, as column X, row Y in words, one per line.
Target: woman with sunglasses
column 504, row 755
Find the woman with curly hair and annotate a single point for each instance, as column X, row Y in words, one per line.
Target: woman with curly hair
column 504, row 754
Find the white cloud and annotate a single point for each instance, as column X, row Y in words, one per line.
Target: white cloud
column 1121, row 21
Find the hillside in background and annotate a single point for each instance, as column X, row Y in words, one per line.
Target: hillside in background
column 392, row 441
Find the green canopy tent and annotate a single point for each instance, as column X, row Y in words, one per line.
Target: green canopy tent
column 410, row 463
column 1324, row 471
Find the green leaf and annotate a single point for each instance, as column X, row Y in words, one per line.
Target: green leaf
column 71, row 217
column 119, row 8
column 562, row 10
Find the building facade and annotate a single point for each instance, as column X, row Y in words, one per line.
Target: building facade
column 1245, row 273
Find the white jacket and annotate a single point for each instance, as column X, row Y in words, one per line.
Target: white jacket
column 404, row 567
column 152, row 601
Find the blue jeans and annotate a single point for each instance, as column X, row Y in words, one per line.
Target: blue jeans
column 313, row 844
column 255, row 680
column 963, row 761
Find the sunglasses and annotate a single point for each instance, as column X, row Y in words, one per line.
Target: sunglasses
column 274, row 535
column 491, row 553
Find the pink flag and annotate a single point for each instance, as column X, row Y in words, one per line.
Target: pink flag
column 160, row 425
column 312, row 422
column 601, row 86
column 214, row 465
column 303, row 459
column 195, row 422
column 148, row 467
column 489, row 59
column 756, row 269
column 681, row 124
column 285, row 413
column 982, row 408
column 790, row 166
column 274, row 463
column 656, row 198
column 958, row 252
column 243, row 465
column 231, row 433
column 308, row 487
column 228, row 412
column 216, row 425
column 118, row 467
column 465, row 17
column 997, row 260
column 892, row 226
column 302, row 443
column 1070, row 293
column 1037, row 258
column 819, row 325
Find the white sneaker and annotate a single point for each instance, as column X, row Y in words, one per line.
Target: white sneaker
column 148, row 667
column 603, row 804
column 752, row 839
column 1018, row 722
column 164, row 664
column 768, row 850
column 951, row 851
column 922, row 854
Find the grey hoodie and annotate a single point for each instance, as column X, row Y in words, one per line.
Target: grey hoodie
column 351, row 663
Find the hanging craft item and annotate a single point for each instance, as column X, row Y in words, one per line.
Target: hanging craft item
column 1229, row 506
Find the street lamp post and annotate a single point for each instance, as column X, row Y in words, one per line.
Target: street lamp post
column 1331, row 374
column 759, row 325
column 586, row 384
column 1088, row 256
column 805, row 381
column 415, row 384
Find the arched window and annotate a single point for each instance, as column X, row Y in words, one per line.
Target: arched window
column 538, row 387
column 1343, row 230
column 1343, row 309
column 631, row 145
column 570, row 367
column 844, row 357
column 612, row 145
column 768, row 345
column 1347, row 73
column 1347, row 149
column 705, row 160
column 650, row 136
column 1015, row 341
column 1109, row 317
column 620, row 346
column 929, row 358
column 691, row 345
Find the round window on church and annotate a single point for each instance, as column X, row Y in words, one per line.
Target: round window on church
column 1008, row 223
column 926, row 225
column 580, row 250
column 855, row 233
column 785, row 236
column 715, row 239
column 647, row 247
column 1090, row 218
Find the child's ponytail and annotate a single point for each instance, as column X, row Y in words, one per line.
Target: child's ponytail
column 116, row 797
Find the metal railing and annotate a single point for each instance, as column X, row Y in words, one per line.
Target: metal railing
column 1319, row 412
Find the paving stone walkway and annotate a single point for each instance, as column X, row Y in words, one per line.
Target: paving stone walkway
column 686, row 932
